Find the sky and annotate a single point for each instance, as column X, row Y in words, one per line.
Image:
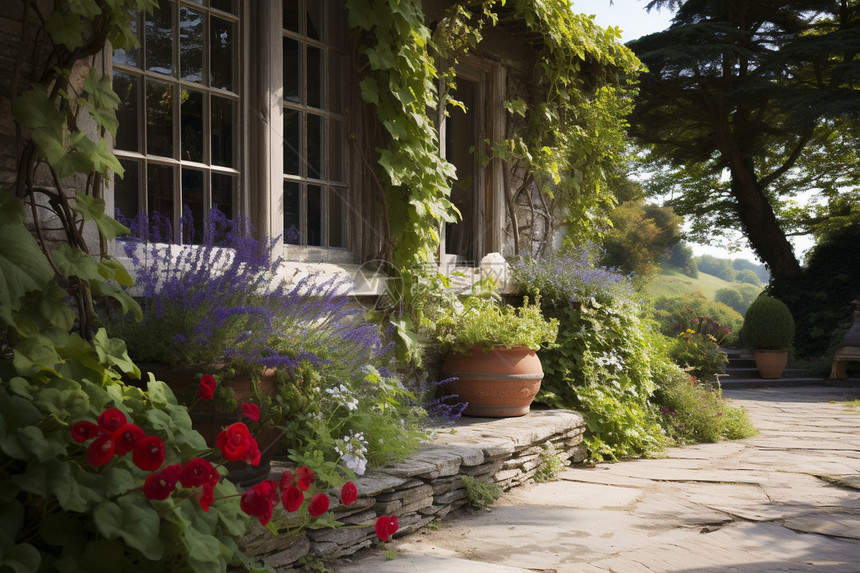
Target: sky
column 630, row 16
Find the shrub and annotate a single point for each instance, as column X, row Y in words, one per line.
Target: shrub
column 700, row 354
column 600, row 364
column 747, row 276
column 768, row 325
column 675, row 314
column 721, row 268
column 731, row 298
column 693, row 412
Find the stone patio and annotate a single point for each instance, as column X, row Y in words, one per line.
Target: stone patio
column 429, row 485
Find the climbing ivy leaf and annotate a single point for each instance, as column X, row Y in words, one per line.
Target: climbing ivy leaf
column 23, row 266
column 93, row 209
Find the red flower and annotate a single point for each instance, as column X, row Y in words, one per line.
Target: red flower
column 234, row 441
column 207, row 496
column 318, row 505
column 252, row 454
column 304, row 477
column 206, row 390
column 101, row 451
column 385, row 526
column 348, row 493
column 126, row 437
column 197, row 472
column 257, row 501
column 149, row 453
column 251, row 411
column 286, row 481
column 293, row 498
column 111, row 420
column 161, row 484
column 83, row 431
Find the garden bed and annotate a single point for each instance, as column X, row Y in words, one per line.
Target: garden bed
column 429, row 485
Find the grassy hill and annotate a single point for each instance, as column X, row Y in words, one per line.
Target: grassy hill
column 671, row 282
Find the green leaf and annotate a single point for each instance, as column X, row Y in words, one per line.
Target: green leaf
column 112, row 269
column 85, row 8
column 125, row 300
column 65, row 29
column 16, row 412
column 132, row 519
column 93, row 209
column 21, row 558
column 74, row 262
column 23, row 266
column 32, row 109
column 113, row 353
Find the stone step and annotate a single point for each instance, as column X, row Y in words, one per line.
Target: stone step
column 752, row 372
column 747, row 383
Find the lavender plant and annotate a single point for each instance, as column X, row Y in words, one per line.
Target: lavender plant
column 221, row 301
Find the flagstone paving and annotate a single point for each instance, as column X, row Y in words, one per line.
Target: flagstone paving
column 785, row 500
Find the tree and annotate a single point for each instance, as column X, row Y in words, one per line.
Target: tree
column 721, row 268
column 745, row 104
column 640, row 237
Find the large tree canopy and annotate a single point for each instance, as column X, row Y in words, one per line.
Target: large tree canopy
column 748, row 103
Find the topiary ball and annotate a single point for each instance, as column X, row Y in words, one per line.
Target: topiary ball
column 768, row 325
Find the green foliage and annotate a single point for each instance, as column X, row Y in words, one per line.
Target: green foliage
column 699, row 354
column 747, row 276
column 550, row 464
column 716, row 266
column 641, row 235
column 676, row 314
column 739, row 296
column 768, row 325
column 600, row 364
column 693, row 412
column 482, row 322
column 681, row 257
column 820, row 298
column 481, row 494
column 60, row 513
column 758, row 268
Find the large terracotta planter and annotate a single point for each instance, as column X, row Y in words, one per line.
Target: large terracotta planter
column 770, row 363
column 209, row 420
column 498, row 383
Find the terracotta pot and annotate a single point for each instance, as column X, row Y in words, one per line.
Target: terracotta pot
column 770, row 363
column 209, row 420
column 499, row 383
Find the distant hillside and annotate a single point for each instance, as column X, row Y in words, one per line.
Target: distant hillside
column 671, row 282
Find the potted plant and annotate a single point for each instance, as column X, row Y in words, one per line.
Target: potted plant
column 769, row 331
column 491, row 361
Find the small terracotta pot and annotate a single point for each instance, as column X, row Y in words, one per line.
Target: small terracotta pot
column 770, row 363
column 498, row 383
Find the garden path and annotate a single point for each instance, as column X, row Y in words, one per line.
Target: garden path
column 785, row 500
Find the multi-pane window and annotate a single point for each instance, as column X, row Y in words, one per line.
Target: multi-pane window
column 314, row 126
column 178, row 114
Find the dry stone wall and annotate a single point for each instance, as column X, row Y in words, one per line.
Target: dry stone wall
column 429, row 485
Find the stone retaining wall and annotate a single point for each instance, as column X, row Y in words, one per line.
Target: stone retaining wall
column 429, row 485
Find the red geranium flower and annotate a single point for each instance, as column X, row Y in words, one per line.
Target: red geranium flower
column 251, row 411
column 234, row 441
column 304, row 477
column 348, row 493
column 126, row 437
column 318, row 505
column 83, row 431
column 160, row 485
column 197, row 472
column 111, row 420
column 385, row 526
column 206, row 390
column 293, row 498
column 149, row 453
column 101, row 451
column 286, row 481
column 257, row 501
column 207, row 496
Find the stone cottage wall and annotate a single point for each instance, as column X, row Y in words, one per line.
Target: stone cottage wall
column 429, row 485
